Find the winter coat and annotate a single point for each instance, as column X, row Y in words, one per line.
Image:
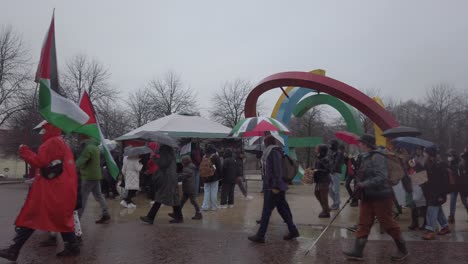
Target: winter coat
column 50, row 202
column 218, row 172
column 89, row 162
column 165, row 180
column 463, row 169
column 131, row 170
column 188, row 179
column 336, row 161
column 437, row 186
column 272, row 166
column 372, row 175
column 230, row 168
column 322, row 170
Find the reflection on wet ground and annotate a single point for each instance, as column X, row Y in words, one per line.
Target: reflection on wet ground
column 221, row 236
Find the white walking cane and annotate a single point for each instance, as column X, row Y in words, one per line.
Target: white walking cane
column 329, row 224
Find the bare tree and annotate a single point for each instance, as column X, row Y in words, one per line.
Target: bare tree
column 15, row 73
column 228, row 103
column 141, row 107
column 169, row 95
column 82, row 73
column 113, row 119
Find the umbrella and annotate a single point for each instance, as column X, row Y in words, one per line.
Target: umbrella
column 401, row 131
column 137, row 151
column 258, row 139
column 412, row 142
column 159, row 137
column 347, row 137
column 258, row 126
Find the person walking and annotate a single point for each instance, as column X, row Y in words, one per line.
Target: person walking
column 90, row 170
column 131, row 171
column 350, row 172
column 376, row 200
column 230, row 172
column 52, row 197
column 210, row 173
column 322, row 179
column 459, row 186
column 274, row 195
column 189, row 186
column 418, row 205
column 166, row 187
column 336, row 162
column 240, row 179
column 464, row 175
column 435, row 191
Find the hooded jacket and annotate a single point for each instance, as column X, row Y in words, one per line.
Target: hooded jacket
column 89, row 162
column 372, row 174
column 230, row 168
column 322, row 166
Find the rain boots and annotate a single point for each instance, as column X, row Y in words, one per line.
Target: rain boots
column 10, row 253
column 402, row 252
column 356, row 253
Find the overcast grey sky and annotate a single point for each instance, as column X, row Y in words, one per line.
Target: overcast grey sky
column 400, row 47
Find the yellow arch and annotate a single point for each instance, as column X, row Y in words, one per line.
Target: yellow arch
column 282, row 97
column 379, row 139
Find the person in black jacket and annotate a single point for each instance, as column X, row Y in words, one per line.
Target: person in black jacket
column 322, row 179
column 230, row 172
column 336, row 157
column 458, row 186
column 211, row 183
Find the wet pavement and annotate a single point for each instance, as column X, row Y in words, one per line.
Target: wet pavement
column 221, row 237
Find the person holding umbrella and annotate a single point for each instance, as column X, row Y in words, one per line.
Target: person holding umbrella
column 376, row 200
column 322, row 179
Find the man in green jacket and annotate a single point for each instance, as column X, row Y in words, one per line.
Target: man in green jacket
column 89, row 166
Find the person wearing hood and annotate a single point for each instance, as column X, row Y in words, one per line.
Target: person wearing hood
column 274, row 195
column 322, row 179
column 230, row 172
column 89, row 164
column 189, row 186
column 131, row 171
column 376, row 195
column 336, row 157
column 52, row 197
column 458, row 186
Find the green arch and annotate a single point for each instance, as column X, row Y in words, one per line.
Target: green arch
column 349, row 114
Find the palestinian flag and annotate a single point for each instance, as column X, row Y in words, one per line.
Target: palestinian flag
column 56, row 109
column 92, row 129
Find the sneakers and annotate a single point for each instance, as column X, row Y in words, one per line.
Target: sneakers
column 124, row 203
column 131, row 206
column 444, row 231
column 429, row 235
column 248, row 197
column 9, row 254
column 257, row 239
column 231, row 206
column 198, row 216
column 146, row 220
column 223, row 206
column 104, row 219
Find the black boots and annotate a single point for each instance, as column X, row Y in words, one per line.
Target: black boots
column 104, row 219
column 291, row 235
column 356, row 254
column 324, row 214
column 414, row 220
column 198, row 216
column 257, row 239
column 402, row 251
column 72, row 248
column 146, row 220
column 10, row 253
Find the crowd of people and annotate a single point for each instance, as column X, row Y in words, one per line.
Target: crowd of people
column 60, row 187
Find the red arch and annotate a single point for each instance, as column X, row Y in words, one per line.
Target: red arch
column 324, row 84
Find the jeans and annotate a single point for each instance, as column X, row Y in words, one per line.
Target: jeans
column 193, row 200
column 270, row 202
column 335, row 189
column 227, row 193
column 88, row 186
column 210, row 197
column 435, row 215
column 453, row 202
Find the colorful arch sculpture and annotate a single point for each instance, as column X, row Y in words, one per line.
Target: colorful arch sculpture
column 335, row 88
column 348, row 113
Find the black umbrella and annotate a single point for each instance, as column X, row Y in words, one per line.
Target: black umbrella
column 412, row 142
column 159, row 137
column 137, row 151
column 401, row 131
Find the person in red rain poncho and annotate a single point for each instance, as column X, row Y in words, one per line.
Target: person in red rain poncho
column 51, row 201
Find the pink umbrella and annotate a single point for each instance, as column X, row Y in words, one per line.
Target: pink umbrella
column 347, row 137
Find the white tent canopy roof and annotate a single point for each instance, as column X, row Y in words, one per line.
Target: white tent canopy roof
column 179, row 126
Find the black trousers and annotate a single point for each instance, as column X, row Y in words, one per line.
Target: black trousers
column 130, row 195
column 177, row 210
column 227, row 193
column 270, row 202
column 193, row 200
column 24, row 233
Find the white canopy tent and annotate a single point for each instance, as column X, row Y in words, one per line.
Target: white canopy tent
column 182, row 126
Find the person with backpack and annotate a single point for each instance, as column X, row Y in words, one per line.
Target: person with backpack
column 336, row 162
column 274, row 195
column 230, row 172
column 210, row 173
column 435, row 190
column 322, row 179
column 458, row 185
column 376, row 194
